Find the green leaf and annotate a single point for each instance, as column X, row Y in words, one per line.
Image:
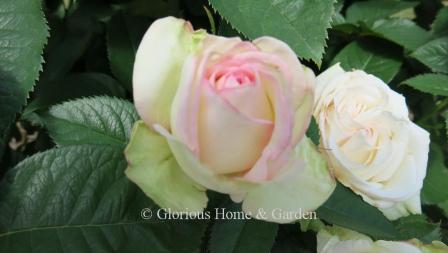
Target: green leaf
column 436, row 180
column 241, row 235
column 74, row 86
column 404, row 32
column 226, row 30
column 444, row 207
column 313, row 132
column 440, row 25
column 434, row 54
column 23, row 34
column 77, row 199
column 154, row 8
column 416, row 226
column 98, row 120
column 436, row 84
column 68, row 42
column 287, row 20
column 346, row 209
column 374, row 58
column 376, row 9
column 337, row 17
column 291, row 240
column 124, row 34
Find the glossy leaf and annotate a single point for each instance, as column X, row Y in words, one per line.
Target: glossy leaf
column 77, row 199
column 346, row 209
column 436, row 84
column 23, row 34
column 367, row 56
column 440, row 25
column 376, row 9
column 416, row 226
column 98, row 120
column 240, row 235
column 288, row 20
column 436, row 179
column 434, row 54
column 404, row 32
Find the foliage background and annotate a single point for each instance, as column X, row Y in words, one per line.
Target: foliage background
column 62, row 136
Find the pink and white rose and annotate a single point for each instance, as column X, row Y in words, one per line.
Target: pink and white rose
column 234, row 114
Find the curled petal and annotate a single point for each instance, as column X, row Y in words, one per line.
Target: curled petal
column 153, row 168
column 276, row 152
column 405, row 208
column 158, row 65
column 304, row 185
column 300, row 83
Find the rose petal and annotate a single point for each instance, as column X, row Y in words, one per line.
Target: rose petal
column 304, row 185
column 229, row 141
column 405, row 208
column 185, row 107
column 200, row 173
column 301, row 85
column 157, row 67
column 250, row 100
column 280, row 141
column 153, row 168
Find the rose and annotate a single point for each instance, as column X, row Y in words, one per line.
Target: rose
column 370, row 143
column 234, row 114
column 340, row 240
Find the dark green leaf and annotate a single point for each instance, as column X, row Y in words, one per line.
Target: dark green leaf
column 345, row 208
column 75, row 86
column 416, row 226
column 291, row 240
column 376, row 9
column 404, row 32
column 434, row 54
column 444, row 207
column 241, row 236
column 288, row 20
column 124, row 34
column 226, row 30
column 313, row 131
column 154, row 8
column 98, row 120
column 68, row 42
column 436, row 84
column 77, row 199
column 440, row 25
column 377, row 60
column 434, row 187
column 23, row 34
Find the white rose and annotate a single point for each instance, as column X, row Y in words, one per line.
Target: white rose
column 340, row 240
column 371, row 145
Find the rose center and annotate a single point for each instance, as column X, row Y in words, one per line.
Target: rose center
column 231, row 74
